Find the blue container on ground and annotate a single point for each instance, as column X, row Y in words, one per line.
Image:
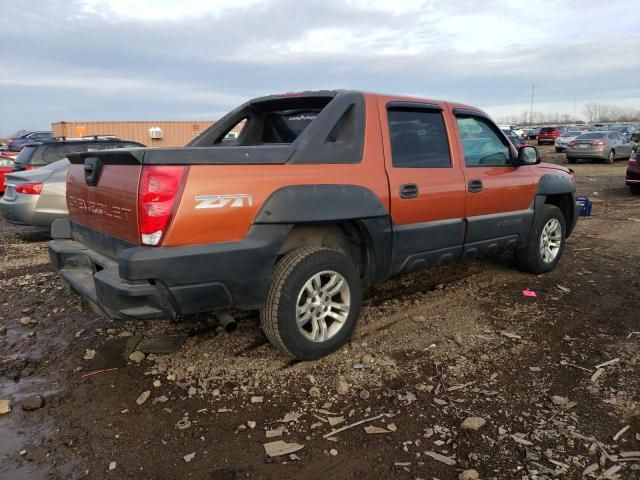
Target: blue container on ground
column 586, row 204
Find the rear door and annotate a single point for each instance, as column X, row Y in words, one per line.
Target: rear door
column 499, row 206
column 426, row 185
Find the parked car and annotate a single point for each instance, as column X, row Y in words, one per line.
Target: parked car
column 633, row 171
column 626, row 130
column 6, row 166
column 39, row 154
column 608, row 146
column 565, row 137
column 515, row 140
column 36, row 197
column 295, row 216
column 16, row 144
column 514, row 128
column 532, row 133
column 549, row 134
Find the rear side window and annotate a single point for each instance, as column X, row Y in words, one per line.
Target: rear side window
column 418, row 138
column 483, row 146
column 54, row 153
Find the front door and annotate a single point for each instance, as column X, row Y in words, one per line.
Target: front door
column 427, row 188
column 499, row 208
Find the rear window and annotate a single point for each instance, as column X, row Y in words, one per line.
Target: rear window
column 588, row 136
column 286, row 126
column 5, row 162
column 548, row 130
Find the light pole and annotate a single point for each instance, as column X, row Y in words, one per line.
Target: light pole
column 533, row 86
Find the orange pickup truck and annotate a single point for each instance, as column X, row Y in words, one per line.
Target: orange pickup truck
column 321, row 195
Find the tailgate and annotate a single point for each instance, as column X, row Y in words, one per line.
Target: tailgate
column 105, row 199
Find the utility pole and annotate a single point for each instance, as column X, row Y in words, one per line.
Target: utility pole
column 533, row 86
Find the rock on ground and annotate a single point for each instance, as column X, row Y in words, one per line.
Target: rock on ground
column 473, row 423
column 32, row 403
column 469, row 475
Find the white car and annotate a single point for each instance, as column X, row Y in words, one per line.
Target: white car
column 514, row 128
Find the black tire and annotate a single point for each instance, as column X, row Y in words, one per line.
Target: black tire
column 530, row 258
column 572, row 160
column 558, row 150
column 611, row 157
column 635, row 189
column 278, row 315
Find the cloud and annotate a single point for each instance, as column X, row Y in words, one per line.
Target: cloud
column 162, row 59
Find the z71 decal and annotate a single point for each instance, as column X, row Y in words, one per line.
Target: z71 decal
column 224, row 201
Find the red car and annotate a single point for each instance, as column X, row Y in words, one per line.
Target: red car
column 633, row 172
column 549, row 134
column 6, row 166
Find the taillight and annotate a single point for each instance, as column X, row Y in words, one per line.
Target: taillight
column 159, row 187
column 30, row 188
column 29, row 167
column 598, row 143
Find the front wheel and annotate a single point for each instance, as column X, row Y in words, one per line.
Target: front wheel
column 558, row 150
column 572, row 160
column 546, row 243
column 313, row 303
column 635, row 189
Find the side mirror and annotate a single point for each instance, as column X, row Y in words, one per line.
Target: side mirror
column 528, row 155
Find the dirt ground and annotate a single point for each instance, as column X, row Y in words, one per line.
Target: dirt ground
column 432, row 349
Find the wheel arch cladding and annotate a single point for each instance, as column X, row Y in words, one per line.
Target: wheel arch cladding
column 559, row 190
column 554, row 184
column 320, row 203
column 339, row 204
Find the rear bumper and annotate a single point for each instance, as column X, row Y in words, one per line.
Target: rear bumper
column 633, row 176
column 153, row 283
column 23, row 210
column 599, row 155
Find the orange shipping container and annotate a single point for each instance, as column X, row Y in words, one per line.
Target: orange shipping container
column 152, row 134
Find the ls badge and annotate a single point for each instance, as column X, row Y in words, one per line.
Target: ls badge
column 222, row 201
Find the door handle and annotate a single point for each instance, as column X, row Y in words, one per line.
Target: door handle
column 409, row 190
column 475, row 186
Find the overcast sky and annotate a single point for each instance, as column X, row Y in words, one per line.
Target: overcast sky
column 196, row 59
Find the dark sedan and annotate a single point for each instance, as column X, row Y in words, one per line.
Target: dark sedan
column 633, row 172
column 16, row 144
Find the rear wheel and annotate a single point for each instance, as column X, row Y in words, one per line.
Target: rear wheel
column 313, row 303
column 546, row 243
column 611, row 157
column 635, row 189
